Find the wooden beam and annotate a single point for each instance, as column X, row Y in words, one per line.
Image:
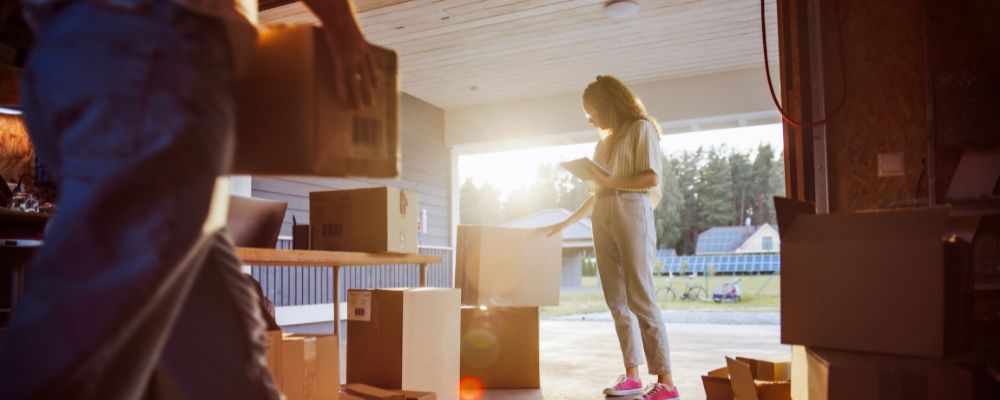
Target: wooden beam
column 359, row 5
column 796, row 98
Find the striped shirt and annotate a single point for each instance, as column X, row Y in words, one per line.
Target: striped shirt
column 637, row 151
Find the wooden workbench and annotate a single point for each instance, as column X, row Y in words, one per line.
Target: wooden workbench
column 335, row 259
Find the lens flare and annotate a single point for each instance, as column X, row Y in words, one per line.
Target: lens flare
column 470, row 388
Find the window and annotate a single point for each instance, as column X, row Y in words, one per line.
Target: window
column 768, row 243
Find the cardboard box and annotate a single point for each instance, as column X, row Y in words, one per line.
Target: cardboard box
column 368, row 392
column 759, row 380
column 831, row 375
column 881, row 282
column 361, row 391
column 508, row 267
column 371, row 220
column 274, row 356
column 500, row 346
column 405, row 339
column 748, row 379
column 310, row 367
column 288, row 118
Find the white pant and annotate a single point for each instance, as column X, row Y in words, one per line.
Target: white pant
column 625, row 242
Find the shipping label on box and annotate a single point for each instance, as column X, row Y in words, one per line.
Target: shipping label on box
column 290, row 122
column 372, row 220
column 508, row 267
column 359, row 305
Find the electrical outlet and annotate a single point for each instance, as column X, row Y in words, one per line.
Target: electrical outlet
column 891, row 164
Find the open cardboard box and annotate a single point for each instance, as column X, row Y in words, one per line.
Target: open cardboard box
column 507, row 267
column 880, row 282
column 749, row 379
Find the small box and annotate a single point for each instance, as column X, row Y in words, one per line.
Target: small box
column 371, row 220
column 748, row 379
column 300, row 237
column 311, row 367
column 410, row 341
column 500, row 346
column 508, row 267
column 290, row 122
column 759, row 380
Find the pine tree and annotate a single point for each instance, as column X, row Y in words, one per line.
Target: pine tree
column 668, row 213
column 715, row 196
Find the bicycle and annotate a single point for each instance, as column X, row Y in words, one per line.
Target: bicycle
column 692, row 291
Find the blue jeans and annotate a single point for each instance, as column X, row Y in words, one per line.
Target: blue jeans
column 130, row 297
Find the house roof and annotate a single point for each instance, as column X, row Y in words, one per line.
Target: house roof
column 723, row 239
column 749, row 245
column 580, row 234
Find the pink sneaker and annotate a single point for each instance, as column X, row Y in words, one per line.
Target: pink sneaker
column 659, row 391
column 624, row 386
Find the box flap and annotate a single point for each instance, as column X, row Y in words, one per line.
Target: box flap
column 371, row 392
column 891, row 225
column 741, row 380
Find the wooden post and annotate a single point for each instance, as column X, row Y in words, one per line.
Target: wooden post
column 423, row 275
column 336, row 300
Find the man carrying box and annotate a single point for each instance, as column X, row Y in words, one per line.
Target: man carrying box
column 137, row 291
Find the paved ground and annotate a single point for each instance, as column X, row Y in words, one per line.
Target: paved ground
column 579, row 355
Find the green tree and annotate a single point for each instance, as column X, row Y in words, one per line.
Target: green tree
column 768, row 181
column 742, row 177
column 668, row 213
column 686, row 167
column 715, row 196
column 479, row 205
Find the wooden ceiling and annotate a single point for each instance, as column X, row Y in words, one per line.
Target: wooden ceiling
column 458, row 53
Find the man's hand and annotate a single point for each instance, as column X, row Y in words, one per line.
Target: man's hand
column 354, row 69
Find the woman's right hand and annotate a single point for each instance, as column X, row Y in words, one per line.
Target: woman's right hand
column 553, row 229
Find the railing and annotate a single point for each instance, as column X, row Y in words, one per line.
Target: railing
column 286, row 286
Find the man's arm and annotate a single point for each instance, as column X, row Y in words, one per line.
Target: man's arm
column 353, row 66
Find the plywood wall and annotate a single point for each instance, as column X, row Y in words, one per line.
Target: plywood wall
column 885, row 110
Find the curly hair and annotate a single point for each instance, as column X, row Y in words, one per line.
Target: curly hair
column 618, row 104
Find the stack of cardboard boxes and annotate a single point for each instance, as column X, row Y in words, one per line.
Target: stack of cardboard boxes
column 877, row 304
column 505, row 274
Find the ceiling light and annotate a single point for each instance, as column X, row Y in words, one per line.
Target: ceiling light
column 621, row 9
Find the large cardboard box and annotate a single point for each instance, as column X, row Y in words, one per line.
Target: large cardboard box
column 881, row 282
column 310, row 367
column 288, row 118
column 835, row 375
column 500, row 346
column 371, row 220
column 405, row 339
column 508, row 267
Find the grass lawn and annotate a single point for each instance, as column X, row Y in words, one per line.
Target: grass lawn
column 590, row 299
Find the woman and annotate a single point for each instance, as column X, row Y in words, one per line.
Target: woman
column 624, row 235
